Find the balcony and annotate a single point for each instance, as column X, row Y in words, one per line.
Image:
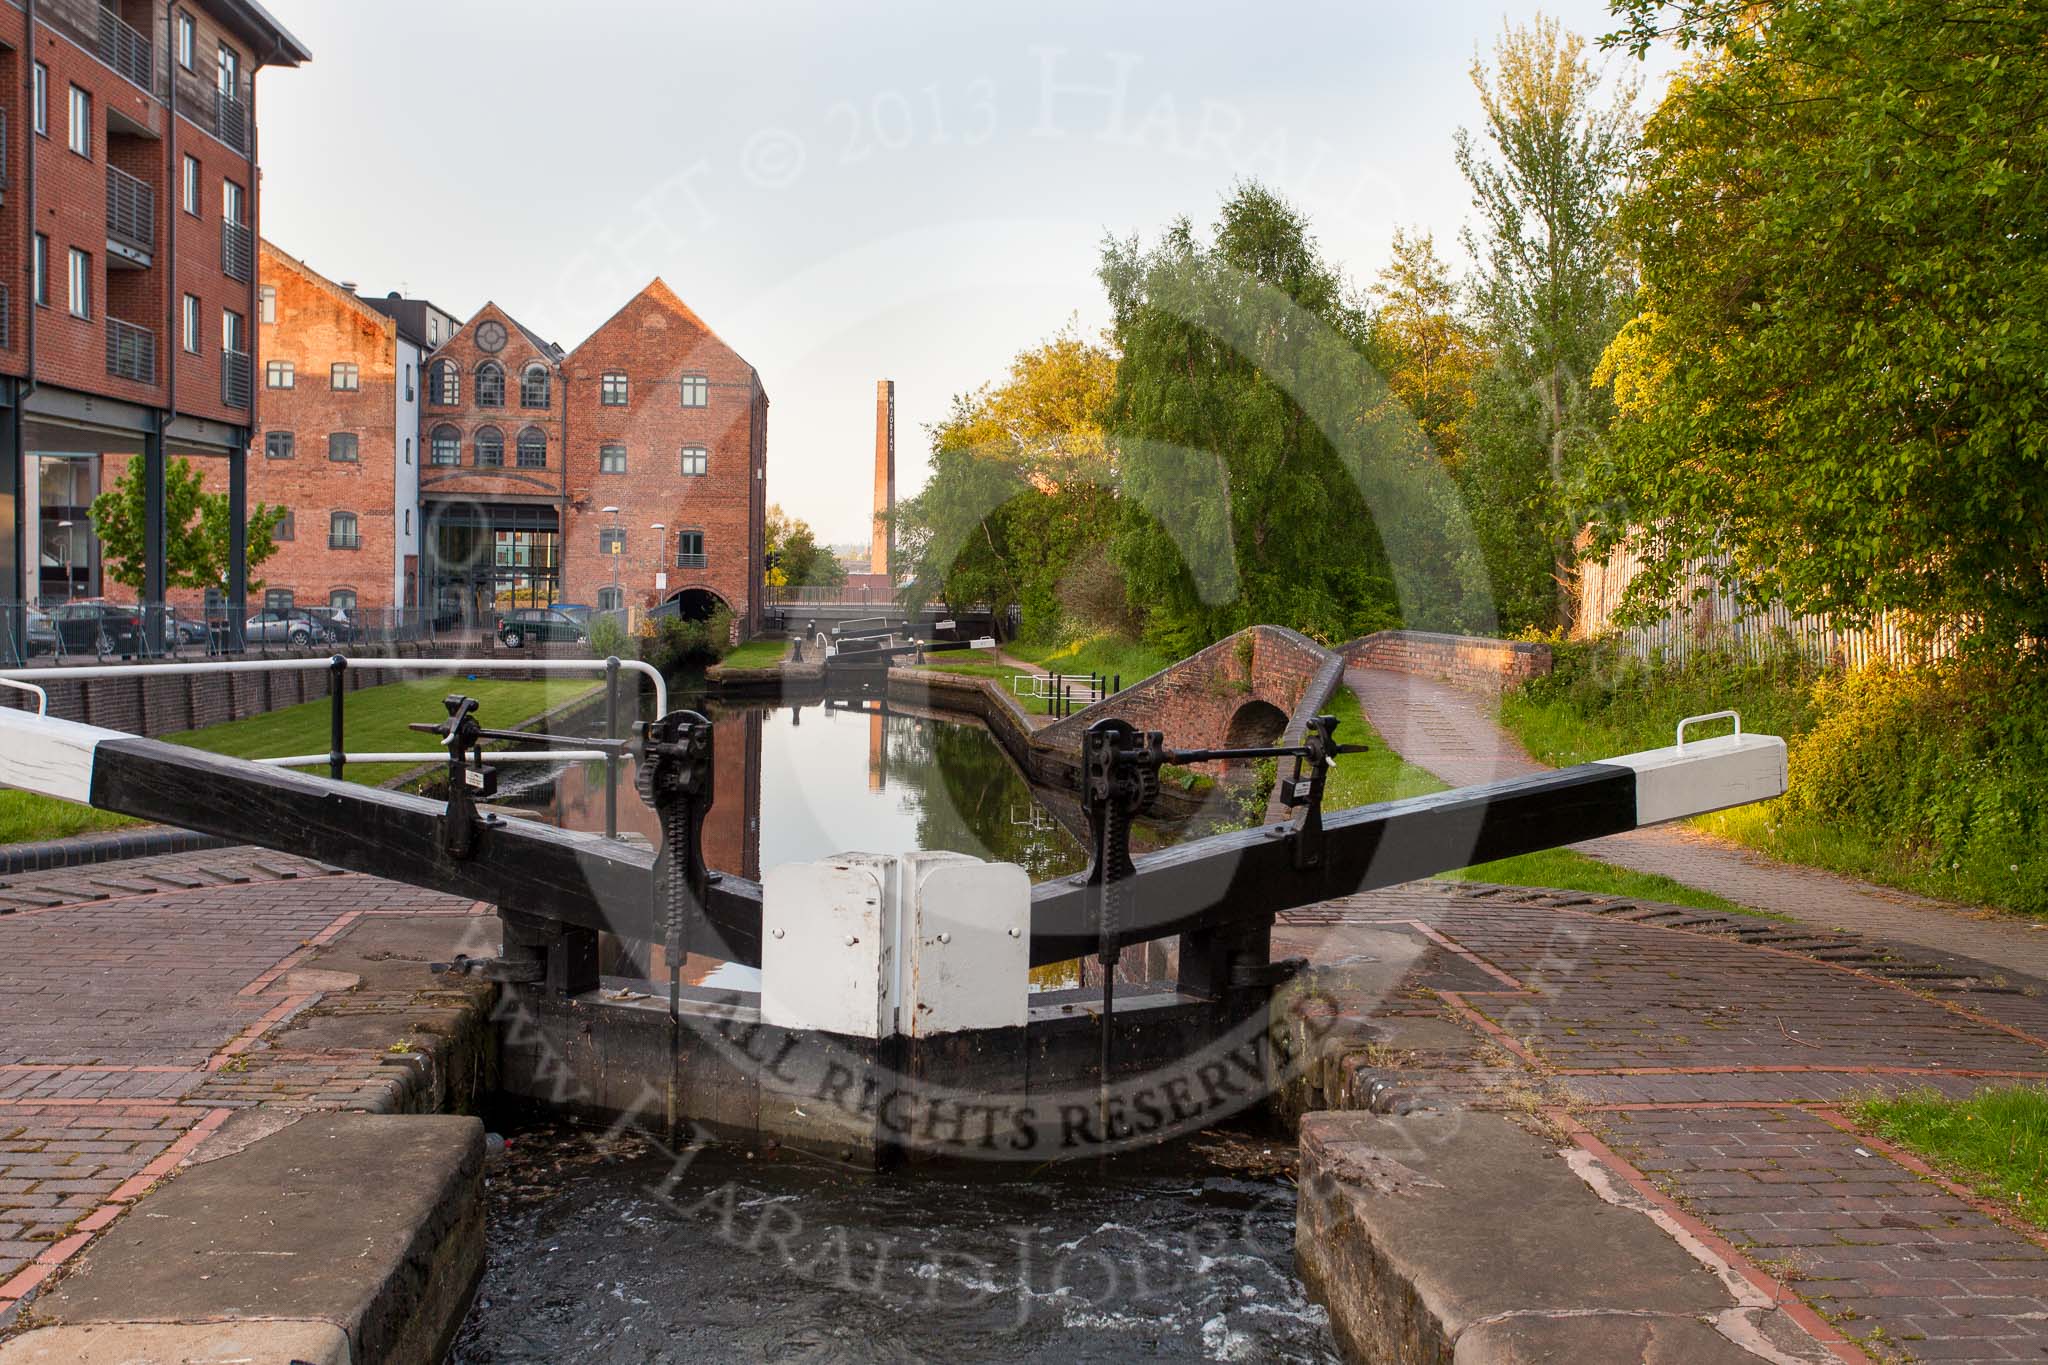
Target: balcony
column 131, row 219
column 344, row 540
column 131, row 351
column 3, row 149
column 122, row 48
column 237, row 251
column 687, row 560
column 6, row 319
column 231, row 121
column 235, row 369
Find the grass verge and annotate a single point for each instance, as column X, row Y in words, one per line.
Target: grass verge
column 377, row 719
column 756, row 654
column 1995, row 1142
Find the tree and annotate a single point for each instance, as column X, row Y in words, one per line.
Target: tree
column 195, row 530
column 795, row 558
column 1022, row 485
column 1423, row 345
column 1551, row 289
column 1832, row 392
column 1269, row 475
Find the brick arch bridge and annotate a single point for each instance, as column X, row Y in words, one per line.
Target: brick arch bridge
column 1252, row 688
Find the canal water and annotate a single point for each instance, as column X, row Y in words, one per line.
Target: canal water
column 607, row 1248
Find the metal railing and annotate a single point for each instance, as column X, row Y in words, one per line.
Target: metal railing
column 6, row 318
column 690, row 561
column 131, row 351
column 131, row 210
column 40, row 636
column 237, row 251
column 338, row 757
column 235, row 378
column 3, row 149
column 230, row 120
column 837, row 595
column 122, row 48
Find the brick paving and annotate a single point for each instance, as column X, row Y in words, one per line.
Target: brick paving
column 1707, row 1070
column 1452, row 733
column 137, row 1004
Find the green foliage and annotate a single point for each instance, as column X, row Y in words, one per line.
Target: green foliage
column 1832, row 391
column 1022, row 492
column 756, row 654
column 674, row 645
column 796, row 559
column 1550, row 293
column 1996, row 1140
column 195, row 529
column 1934, row 780
column 1268, row 474
column 608, row 638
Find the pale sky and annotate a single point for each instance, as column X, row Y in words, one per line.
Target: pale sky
column 844, row 192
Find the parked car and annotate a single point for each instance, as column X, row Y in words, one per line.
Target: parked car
column 284, row 626
column 335, row 621
column 40, row 634
column 182, row 629
column 538, row 625
column 97, row 627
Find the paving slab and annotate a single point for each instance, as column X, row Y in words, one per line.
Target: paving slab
column 370, row 1222
column 252, row 1342
column 1462, row 1237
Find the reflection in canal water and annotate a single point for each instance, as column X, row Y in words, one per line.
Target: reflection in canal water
column 794, row 784
column 600, row 1256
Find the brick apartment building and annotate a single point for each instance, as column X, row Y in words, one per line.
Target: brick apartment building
column 128, row 230
column 337, row 447
column 519, row 448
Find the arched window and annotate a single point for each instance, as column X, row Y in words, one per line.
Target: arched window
column 342, row 599
column 444, row 384
column 490, row 448
column 446, row 445
column 341, row 531
column 610, row 599
column 534, row 387
column 533, row 449
column 490, row 385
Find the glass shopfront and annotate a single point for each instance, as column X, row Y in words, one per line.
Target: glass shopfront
column 488, row 558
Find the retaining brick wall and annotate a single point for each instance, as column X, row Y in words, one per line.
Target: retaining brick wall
column 1472, row 661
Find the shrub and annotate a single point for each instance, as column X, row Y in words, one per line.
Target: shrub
column 608, row 637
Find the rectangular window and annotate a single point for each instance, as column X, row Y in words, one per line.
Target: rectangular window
column 42, row 271
column 191, row 315
column 444, row 446
column 266, row 303
column 188, row 192
column 696, row 460
column 278, row 445
column 287, row 529
column 341, row 531
column 42, row 99
column 611, row 459
column 433, row 330
column 342, row 449
column 232, row 336
column 611, row 542
column 277, row 599
column 408, row 450
column 612, row 389
column 231, row 203
column 345, row 376
column 79, row 133
column 696, row 391
column 81, row 283
column 690, row 550
column 185, row 43
column 408, row 383
column 280, row 374
column 230, row 73
column 342, row 599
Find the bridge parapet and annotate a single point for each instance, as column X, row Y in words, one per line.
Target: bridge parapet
column 1247, row 689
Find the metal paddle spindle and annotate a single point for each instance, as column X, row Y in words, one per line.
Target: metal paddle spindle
column 673, row 760
column 1120, row 780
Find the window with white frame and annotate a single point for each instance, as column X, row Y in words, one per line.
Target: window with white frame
column 280, row 374
column 186, row 43
column 345, row 376
column 81, row 283
column 78, row 135
column 188, row 190
column 41, row 97
column 191, row 319
column 266, row 303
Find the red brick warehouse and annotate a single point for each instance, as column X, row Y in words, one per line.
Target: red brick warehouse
column 127, row 262
column 520, row 450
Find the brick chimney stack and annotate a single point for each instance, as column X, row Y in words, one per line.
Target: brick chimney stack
column 881, row 550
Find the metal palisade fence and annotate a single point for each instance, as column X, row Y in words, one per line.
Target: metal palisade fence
column 1707, row 618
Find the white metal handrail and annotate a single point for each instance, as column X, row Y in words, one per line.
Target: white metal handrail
column 640, row 666
column 42, row 697
column 441, row 756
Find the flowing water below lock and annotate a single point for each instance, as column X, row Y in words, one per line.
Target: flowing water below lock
column 606, row 1249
